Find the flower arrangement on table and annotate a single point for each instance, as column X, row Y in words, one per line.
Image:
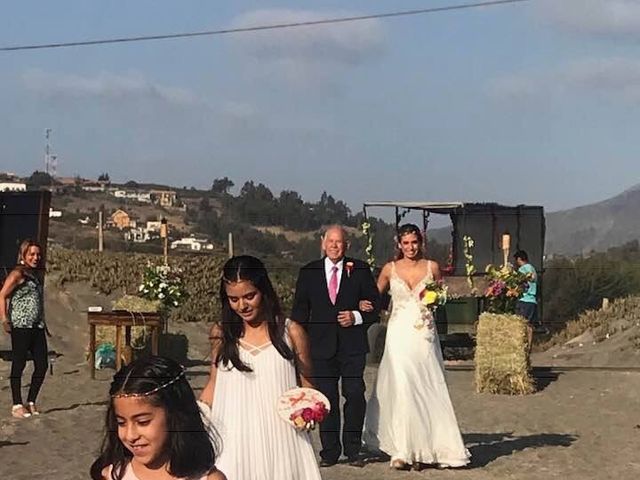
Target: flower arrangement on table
column 433, row 295
column 162, row 283
column 506, row 286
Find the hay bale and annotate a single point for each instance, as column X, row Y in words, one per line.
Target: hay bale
column 132, row 303
column 502, row 361
column 139, row 334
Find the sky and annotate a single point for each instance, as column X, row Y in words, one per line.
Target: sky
column 533, row 103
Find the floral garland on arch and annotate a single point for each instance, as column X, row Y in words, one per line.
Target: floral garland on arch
column 469, row 268
column 368, row 250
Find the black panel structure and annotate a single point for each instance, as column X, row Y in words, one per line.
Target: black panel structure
column 22, row 215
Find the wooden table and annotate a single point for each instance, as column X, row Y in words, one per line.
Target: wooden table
column 119, row 319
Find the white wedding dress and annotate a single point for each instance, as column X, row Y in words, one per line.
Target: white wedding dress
column 410, row 416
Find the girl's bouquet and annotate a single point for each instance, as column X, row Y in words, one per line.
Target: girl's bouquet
column 506, row 286
column 303, row 408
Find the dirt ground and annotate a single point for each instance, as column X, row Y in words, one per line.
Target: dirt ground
column 579, row 425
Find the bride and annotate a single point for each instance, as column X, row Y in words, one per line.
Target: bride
column 410, row 416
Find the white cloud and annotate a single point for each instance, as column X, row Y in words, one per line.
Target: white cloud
column 594, row 17
column 311, row 54
column 616, row 77
column 104, row 85
column 238, row 110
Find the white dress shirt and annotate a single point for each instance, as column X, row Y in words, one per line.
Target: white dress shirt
column 328, row 271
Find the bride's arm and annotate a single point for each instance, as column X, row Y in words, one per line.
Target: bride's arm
column 383, row 279
column 383, row 286
column 215, row 336
column 435, row 270
column 300, row 342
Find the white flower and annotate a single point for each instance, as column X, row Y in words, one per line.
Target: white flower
column 161, row 295
column 141, row 287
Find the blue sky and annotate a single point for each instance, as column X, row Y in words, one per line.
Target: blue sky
column 529, row 103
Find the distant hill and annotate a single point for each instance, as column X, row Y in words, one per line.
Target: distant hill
column 594, row 227
column 597, row 226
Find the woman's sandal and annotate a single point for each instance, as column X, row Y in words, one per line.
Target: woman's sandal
column 31, row 406
column 19, row 411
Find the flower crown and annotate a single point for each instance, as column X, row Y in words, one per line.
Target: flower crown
column 153, row 390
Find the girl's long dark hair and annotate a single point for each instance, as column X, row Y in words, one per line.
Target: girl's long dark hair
column 406, row 229
column 247, row 268
column 191, row 447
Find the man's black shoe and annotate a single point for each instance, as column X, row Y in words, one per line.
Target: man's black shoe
column 326, row 463
column 356, row 461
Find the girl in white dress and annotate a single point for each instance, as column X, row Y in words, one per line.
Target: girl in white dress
column 254, row 358
column 409, row 415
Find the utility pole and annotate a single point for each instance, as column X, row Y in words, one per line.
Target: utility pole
column 164, row 235
column 100, row 232
column 47, row 150
column 230, row 244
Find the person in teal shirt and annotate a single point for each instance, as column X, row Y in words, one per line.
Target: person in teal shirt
column 527, row 305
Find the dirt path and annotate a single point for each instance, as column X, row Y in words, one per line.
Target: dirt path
column 581, row 425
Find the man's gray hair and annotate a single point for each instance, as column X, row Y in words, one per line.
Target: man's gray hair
column 335, row 226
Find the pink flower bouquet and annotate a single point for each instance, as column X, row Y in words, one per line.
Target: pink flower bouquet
column 303, row 408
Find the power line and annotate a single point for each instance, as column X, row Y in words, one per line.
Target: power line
column 257, row 28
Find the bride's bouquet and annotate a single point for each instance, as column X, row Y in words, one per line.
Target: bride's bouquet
column 433, row 295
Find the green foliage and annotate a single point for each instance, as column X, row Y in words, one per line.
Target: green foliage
column 40, row 179
column 110, row 272
column 257, row 205
column 623, row 314
column 162, row 283
column 573, row 285
column 506, row 286
column 221, row 186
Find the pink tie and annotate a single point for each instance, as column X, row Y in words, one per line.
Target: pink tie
column 333, row 285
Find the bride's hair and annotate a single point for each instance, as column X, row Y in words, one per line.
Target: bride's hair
column 408, row 229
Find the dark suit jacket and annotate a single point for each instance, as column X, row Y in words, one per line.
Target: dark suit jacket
column 313, row 309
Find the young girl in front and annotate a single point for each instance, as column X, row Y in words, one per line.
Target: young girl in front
column 154, row 430
column 254, row 358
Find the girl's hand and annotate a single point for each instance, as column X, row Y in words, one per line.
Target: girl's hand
column 307, row 427
column 365, row 306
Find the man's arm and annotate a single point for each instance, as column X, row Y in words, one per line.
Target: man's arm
column 301, row 303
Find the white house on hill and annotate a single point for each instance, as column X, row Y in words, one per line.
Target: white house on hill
column 192, row 243
column 13, row 187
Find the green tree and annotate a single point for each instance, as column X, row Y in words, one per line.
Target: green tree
column 221, row 186
column 40, row 179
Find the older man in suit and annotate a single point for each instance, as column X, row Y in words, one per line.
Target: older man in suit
column 326, row 304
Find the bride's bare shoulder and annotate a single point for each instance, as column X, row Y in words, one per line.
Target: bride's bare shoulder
column 386, row 269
